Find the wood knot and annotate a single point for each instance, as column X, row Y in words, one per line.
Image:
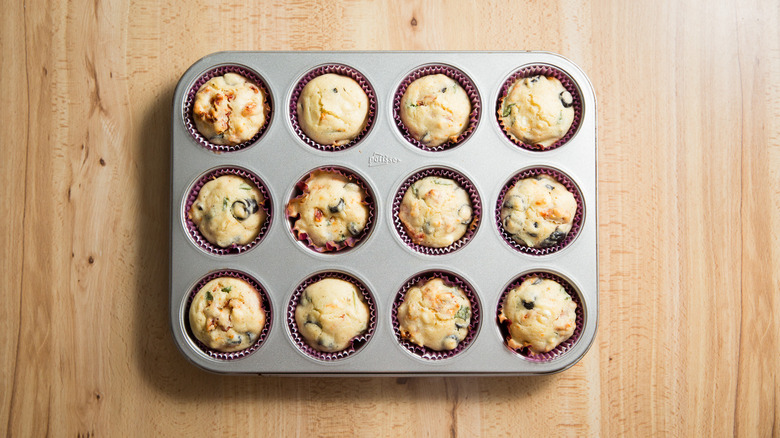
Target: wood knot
column 102, row 162
column 414, row 22
column 91, row 260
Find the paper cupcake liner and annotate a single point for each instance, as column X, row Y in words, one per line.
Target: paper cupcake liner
column 465, row 183
column 450, row 280
column 458, row 76
column 564, row 346
column 265, row 303
column 351, row 242
column 357, row 343
column 568, row 84
column 342, row 70
column 192, row 229
column 576, row 225
column 253, row 77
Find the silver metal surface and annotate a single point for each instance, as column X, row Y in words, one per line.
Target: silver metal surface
column 383, row 261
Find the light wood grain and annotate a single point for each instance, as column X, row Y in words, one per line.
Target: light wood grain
column 689, row 219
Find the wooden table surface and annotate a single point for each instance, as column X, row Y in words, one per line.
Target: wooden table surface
column 689, row 218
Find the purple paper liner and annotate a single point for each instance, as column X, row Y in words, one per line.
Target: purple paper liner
column 449, row 279
column 576, row 225
column 357, row 343
column 253, row 77
column 465, row 82
column 465, row 183
column 351, row 242
column 342, row 70
column 194, row 233
column 265, row 303
column 568, row 84
column 564, row 346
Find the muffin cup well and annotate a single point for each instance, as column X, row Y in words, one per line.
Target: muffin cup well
column 189, row 100
column 192, row 229
column 265, row 303
column 449, row 279
column 351, row 242
column 465, row 183
column 342, row 70
column 576, row 225
column 463, row 80
column 568, row 84
column 564, row 346
column 357, row 343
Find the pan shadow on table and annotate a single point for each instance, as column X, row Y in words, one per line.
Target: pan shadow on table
column 166, row 370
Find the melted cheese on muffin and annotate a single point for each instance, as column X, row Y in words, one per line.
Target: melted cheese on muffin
column 540, row 313
column 229, row 109
column 332, row 109
column 435, row 109
column 435, row 211
column 227, row 211
column 435, row 315
column 331, row 209
column 227, row 315
column 537, row 111
column 330, row 313
column 538, row 211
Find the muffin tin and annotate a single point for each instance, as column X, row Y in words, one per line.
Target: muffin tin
column 384, row 261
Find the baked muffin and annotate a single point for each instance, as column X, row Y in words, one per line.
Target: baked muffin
column 537, row 111
column 434, row 315
column 332, row 109
column 540, row 313
column 229, row 110
column 330, row 313
column 538, row 211
column 435, row 109
column 227, row 314
column 435, row 212
column 227, row 211
column 331, row 211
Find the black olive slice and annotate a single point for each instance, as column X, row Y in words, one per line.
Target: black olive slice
column 566, row 99
column 338, row 207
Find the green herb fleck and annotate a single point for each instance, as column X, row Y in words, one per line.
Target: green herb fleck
column 464, row 313
column 442, row 182
column 507, row 110
column 227, row 289
column 225, row 203
column 209, row 297
column 245, row 187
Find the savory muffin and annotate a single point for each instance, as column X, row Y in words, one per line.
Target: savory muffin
column 332, row 109
column 537, row 111
column 434, row 315
column 435, row 109
column 331, row 211
column 330, row 313
column 228, row 211
column 540, row 314
column 229, row 110
column 435, row 211
column 227, row 315
column 538, row 211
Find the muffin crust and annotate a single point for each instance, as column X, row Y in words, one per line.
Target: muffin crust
column 229, row 110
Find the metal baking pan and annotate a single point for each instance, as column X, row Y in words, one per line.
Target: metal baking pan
column 383, row 261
